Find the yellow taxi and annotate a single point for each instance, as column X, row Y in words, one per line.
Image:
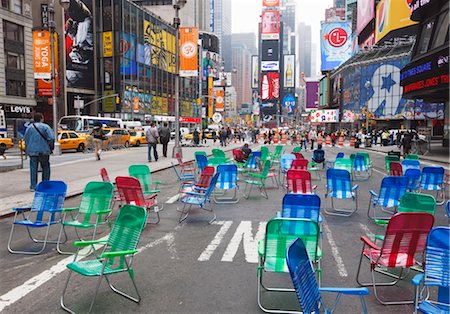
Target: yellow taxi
column 137, row 137
column 68, row 140
column 6, row 142
column 117, row 136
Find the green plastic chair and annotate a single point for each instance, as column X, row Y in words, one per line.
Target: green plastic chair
column 258, row 180
column 95, row 203
column 344, row 163
column 275, row 157
column 116, row 256
column 215, row 161
column 297, row 149
column 144, row 175
column 265, row 153
column 314, row 169
column 280, row 233
column 412, row 156
column 366, row 158
column 388, row 159
column 218, row 153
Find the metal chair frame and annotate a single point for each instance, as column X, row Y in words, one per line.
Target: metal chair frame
column 342, row 180
column 433, row 180
column 391, row 191
column 228, row 180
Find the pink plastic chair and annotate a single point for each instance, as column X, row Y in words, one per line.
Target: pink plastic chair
column 299, row 164
column 396, row 169
column 299, row 181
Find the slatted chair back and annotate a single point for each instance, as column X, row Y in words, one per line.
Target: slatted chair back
column 228, row 176
column 104, row 175
column 410, row 164
column 202, row 161
column 432, row 178
column 303, row 277
column 299, row 164
column 406, row 237
column 299, row 181
column 218, row 153
column 238, row 155
column 339, row 183
column 252, row 163
column 297, row 149
column 179, row 159
column 395, row 169
column 205, row 177
column 413, row 176
column 359, row 163
column 143, row 174
column 211, row 187
column 412, row 157
column 96, row 197
column 340, row 155
column 130, row 190
column 278, row 151
column 392, row 190
column 200, row 152
column 265, row 153
column 388, row 159
column 301, row 206
column 286, row 161
column 344, row 164
column 48, row 197
column 417, row 202
column 298, row 155
column 280, row 233
column 366, row 157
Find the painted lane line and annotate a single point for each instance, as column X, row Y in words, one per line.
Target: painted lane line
column 174, row 198
column 244, row 233
column 334, row 250
column 212, row 246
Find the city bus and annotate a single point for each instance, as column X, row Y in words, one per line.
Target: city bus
column 83, row 124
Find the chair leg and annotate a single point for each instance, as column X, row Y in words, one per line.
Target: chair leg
column 131, row 275
column 184, row 214
column 44, row 243
column 63, row 294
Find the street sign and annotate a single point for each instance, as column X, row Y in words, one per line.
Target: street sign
column 78, row 103
column 217, row 117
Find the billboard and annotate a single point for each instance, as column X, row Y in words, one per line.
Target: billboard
column 365, row 13
column 312, row 95
column 219, row 96
column 210, row 64
column 271, row 3
column 107, row 44
column 267, row 66
column 188, row 51
column 289, row 71
column 270, row 86
column 335, row 44
column 270, row 24
column 144, row 54
column 79, row 44
column 270, row 50
column 391, row 15
column 41, row 55
column 288, row 104
column 255, row 72
column 127, row 50
column 325, row 116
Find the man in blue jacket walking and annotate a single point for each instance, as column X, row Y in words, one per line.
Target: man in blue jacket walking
column 37, row 136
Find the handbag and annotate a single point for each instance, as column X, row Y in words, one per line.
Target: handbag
column 50, row 143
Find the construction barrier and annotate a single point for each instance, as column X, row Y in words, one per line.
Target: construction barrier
column 341, row 141
column 352, row 142
column 320, row 140
column 328, row 140
column 283, row 138
column 276, row 139
column 298, row 138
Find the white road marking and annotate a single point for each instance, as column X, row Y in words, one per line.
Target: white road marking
column 334, row 250
column 367, row 231
column 244, row 233
column 378, row 171
column 169, row 238
column 212, row 246
column 173, row 199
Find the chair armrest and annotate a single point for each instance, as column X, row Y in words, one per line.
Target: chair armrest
column 195, row 194
column 69, row 209
column 118, row 253
column 381, row 221
column 152, row 192
column 87, row 243
column 261, row 247
column 156, row 182
column 314, row 187
column 372, row 193
column 355, row 187
column 200, row 189
column 151, row 196
column 349, row 291
column 101, row 212
column 417, row 279
column 18, row 209
column 368, row 242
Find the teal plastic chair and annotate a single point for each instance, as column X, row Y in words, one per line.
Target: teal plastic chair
column 144, row 175
column 116, row 257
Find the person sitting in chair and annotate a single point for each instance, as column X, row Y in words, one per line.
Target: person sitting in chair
column 246, row 150
column 319, row 154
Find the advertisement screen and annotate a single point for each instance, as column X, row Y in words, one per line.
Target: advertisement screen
column 335, row 44
column 288, row 104
column 366, row 12
column 144, row 54
column 255, row 72
column 270, row 50
column 289, row 71
column 79, row 43
column 312, row 95
column 391, row 15
column 128, row 65
column 271, row 3
column 270, row 86
column 270, row 24
column 219, row 97
column 188, row 51
column 210, row 64
column 267, row 66
column 325, row 116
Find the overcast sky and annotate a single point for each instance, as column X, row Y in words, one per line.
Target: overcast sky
column 245, row 16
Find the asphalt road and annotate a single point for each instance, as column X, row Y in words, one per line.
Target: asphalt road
column 195, row 267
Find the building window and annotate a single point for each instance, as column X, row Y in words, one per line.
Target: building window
column 15, row 88
column 441, row 31
column 425, row 37
column 17, row 6
column 5, row 4
column 12, row 31
column 15, row 60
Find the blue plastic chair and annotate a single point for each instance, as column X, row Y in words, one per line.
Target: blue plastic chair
column 301, row 206
column 413, row 176
column 199, row 199
column 202, row 162
column 186, row 179
column 340, row 155
column 360, row 167
column 306, row 288
column 47, row 202
column 330, row 163
column 228, row 180
column 410, row 164
column 339, row 186
column 437, row 261
column 285, row 164
column 391, row 191
column 433, row 180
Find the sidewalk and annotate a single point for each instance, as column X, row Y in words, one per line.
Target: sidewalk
column 79, row 169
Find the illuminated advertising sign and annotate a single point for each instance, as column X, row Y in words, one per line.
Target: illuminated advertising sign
column 107, row 44
column 255, row 72
column 325, row 116
column 270, row 50
column 219, row 97
column 270, row 24
column 289, row 71
column 128, row 65
column 391, row 15
column 366, row 12
column 210, row 64
column 335, row 44
column 267, row 66
column 271, row 3
column 188, row 51
column 312, row 95
column 270, row 86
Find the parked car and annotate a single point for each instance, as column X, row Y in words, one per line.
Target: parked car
column 117, row 136
column 137, row 138
column 6, row 142
column 68, row 140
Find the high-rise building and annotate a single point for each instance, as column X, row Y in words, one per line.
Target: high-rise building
column 17, row 100
column 339, row 4
column 241, row 76
column 304, row 55
column 222, row 19
column 289, row 23
column 350, row 12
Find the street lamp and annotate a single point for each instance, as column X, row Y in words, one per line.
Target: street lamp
column 52, row 25
column 177, row 5
column 367, row 85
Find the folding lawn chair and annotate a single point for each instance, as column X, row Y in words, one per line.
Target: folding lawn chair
column 388, row 159
column 410, row 164
column 188, row 177
column 391, row 191
column 116, row 196
column 285, row 164
column 95, row 203
column 405, row 238
column 412, row 157
column 239, row 158
column 47, row 202
column 228, row 180
column 360, row 168
column 413, row 176
column 298, row 155
column 258, row 180
column 299, row 164
column 199, row 185
column 202, row 161
column 265, row 153
column 339, row 186
column 144, row 175
column 305, row 206
column 306, row 288
column 433, row 180
column 116, row 256
column 299, row 181
column 130, row 190
column 395, row 169
column 330, row 163
column 344, row 164
column 275, row 157
column 186, row 166
column 280, row 233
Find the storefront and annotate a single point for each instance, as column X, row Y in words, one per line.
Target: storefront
column 15, row 118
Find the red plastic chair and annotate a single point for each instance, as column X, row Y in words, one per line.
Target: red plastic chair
column 185, row 166
column 116, row 196
column 203, row 181
column 298, row 155
column 130, row 191
column 299, row 181
column 396, row 169
column 299, row 164
column 405, row 238
column 238, row 155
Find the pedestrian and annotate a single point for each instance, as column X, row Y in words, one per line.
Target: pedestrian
column 196, row 137
column 223, row 137
column 98, row 137
column 312, row 136
column 406, row 143
column 152, row 136
column 333, row 139
column 38, row 137
column 214, row 135
column 164, row 137
column 246, row 150
column 204, row 136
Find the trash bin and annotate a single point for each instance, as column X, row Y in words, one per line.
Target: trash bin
column 368, row 141
column 392, row 153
